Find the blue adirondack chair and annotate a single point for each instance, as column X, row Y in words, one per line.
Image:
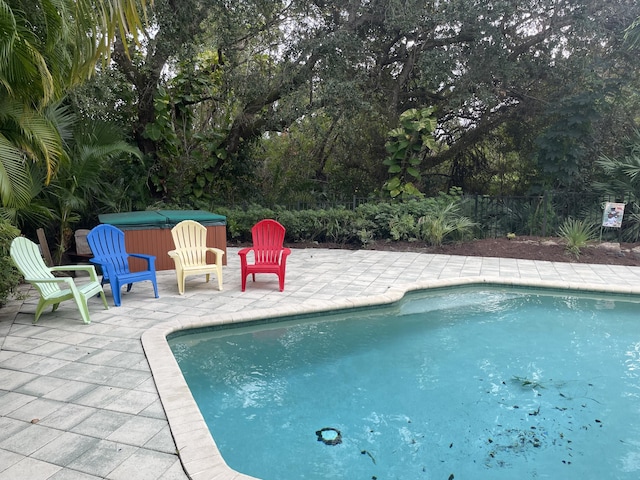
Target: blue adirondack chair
column 107, row 245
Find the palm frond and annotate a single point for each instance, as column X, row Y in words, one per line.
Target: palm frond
column 46, row 46
column 631, row 166
column 42, row 141
column 64, row 120
column 15, row 182
column 632, row 34
column 8, row 35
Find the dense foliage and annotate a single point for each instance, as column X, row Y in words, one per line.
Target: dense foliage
column 219, row 105
column 432, row 220
column 46, row 47
column 9, row 274
column 280, row 101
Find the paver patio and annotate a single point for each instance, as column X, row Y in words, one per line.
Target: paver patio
column 79, row 402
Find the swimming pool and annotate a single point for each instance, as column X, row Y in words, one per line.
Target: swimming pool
column 484, row 393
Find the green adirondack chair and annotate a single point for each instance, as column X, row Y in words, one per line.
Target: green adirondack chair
column 53, row 290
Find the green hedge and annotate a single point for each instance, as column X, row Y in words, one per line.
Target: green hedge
column 9, row 275
column 396, row 221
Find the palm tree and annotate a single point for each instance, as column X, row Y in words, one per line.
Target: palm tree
column 82, row 183
column 46, row 47
column 632, row 34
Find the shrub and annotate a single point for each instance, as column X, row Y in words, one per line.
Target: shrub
column 577, row 234
column 9, row 274
column 444, row 223
column 240, row 221
column 303, row 225
column 338, row 224
column 368, row 222
column 403, row 227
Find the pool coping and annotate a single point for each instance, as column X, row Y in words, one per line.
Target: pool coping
column 195, row 446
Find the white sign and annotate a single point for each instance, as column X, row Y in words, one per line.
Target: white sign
column 612, row 216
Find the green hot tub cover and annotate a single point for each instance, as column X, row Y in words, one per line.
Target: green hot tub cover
column 207, row 219
column 135, row 220
column 148, row 219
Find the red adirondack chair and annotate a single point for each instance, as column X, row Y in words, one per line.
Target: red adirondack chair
column 269, row 254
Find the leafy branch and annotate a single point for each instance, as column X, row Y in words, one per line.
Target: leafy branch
column 407, row 146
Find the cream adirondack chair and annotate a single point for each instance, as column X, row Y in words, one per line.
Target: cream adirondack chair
column 54, row 290
column 190, row 254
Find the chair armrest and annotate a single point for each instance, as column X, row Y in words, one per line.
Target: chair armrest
column 244, row 252
column 82, row 268
column 284, row 254
column 67, row 280
column 142, row 255
column 217, row 251
column 62, row 268
column 150, row 259
column 99, row 260
column 176, row 257
column 105, row 264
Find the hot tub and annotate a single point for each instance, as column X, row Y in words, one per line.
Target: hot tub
column 149, row 232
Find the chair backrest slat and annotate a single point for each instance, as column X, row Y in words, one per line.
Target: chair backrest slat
column 190, row 239
column 26, row 256
column 107, row 241
column 268, row 238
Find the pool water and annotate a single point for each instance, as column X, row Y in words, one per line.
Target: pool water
column 464, row 383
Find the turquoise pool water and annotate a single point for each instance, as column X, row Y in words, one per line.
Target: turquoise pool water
column 463, row 383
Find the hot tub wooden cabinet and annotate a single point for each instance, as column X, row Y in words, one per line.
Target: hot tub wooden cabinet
column 149, row 232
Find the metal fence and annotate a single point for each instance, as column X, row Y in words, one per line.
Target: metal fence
column 539, row 215
column 536, row 215
column 324, row 204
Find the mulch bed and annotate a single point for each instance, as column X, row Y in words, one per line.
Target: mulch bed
column 528, row 248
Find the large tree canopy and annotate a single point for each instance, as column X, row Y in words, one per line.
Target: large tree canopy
column 538, row 78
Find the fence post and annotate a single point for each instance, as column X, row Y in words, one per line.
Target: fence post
column 475, row 209
column 544, row 215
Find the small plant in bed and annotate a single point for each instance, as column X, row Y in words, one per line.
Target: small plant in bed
column 577, row 234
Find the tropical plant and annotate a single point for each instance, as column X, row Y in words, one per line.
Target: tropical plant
column 9, row 275
column 622, row 174
column 445, row 222
column 82, row 187
column 632, row 34
column 45, row 48
column 577, row 234
column 408, row 144
column 621, row 177
column 26, row 136
column 403, row 227
column 86, row 182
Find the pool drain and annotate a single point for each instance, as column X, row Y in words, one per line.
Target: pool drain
column 329, row 436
